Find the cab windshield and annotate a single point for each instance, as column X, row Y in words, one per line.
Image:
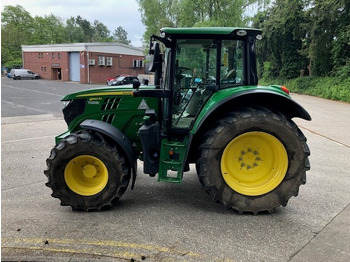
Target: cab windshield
column 202, row 66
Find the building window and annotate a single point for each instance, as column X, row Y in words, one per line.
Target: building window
column 53, row 55
column 59, row 55
column 137, row 63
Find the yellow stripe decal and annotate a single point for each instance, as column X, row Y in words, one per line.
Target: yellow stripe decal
column 117, row 93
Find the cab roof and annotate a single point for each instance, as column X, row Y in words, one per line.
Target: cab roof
column 212, row 31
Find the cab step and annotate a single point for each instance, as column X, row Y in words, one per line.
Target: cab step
column 172, row 157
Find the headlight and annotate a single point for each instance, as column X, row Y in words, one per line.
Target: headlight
column 66, row 103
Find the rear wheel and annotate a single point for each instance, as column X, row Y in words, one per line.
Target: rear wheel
column 86, row 172
column 253, row 160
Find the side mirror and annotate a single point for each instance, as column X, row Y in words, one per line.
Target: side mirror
column 156, row 57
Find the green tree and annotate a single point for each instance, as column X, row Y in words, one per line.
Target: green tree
column 16, row 30
column 187, row 13
column 81, row 30
column 87, row 28
column 213, row 12
column 74, row 32
column 121, row 36
column 101, row 32
column 330, row 33
column 48, row 30
column 282, row 38
column 157, row 14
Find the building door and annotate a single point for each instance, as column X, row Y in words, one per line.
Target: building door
column 56, row 74
column 74, row 66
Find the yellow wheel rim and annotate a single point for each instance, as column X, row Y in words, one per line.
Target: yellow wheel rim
column 254, row 163
column 86, row 175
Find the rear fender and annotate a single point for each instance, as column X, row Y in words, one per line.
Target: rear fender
column 118, row 137
column 263, row 98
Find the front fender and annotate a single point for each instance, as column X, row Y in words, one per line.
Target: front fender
column 118, row 137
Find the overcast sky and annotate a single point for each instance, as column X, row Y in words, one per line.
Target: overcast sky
column 112, row 13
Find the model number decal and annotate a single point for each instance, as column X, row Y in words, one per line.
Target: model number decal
column 94, row 100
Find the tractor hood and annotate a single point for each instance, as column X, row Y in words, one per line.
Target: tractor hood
column 126, row 90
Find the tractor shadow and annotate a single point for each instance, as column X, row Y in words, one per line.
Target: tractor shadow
column 189, row 196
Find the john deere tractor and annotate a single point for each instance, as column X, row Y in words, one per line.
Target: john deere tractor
column 204, row 108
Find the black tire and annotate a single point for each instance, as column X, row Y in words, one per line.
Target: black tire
column 69, row 181
column 246, row 122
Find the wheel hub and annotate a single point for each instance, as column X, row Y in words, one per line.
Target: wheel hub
column 254, row 163
column 249, row 158
column 89, row 171
column 86, row 175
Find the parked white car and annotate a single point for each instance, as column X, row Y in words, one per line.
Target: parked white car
column 18, row 74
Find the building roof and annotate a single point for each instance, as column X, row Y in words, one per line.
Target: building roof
column 105, row 47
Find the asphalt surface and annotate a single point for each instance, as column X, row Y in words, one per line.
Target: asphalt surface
column 159, row 221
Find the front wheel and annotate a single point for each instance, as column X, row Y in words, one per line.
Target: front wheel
column 86, row 172
column 253, row 160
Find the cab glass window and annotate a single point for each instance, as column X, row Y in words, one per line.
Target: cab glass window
column 195, row 74
column 232, row 63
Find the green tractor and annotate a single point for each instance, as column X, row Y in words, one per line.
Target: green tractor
column 204, row 108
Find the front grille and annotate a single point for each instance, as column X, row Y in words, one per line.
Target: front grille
column 110, row 103
column 73, row 110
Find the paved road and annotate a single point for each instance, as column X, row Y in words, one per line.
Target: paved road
column 167, row 222
column 34, row 97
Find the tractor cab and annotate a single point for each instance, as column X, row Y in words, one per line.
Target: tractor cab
column 196, row 64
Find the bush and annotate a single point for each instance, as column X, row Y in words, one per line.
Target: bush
column 267, row 71
column 335, row 88
column 344, row 71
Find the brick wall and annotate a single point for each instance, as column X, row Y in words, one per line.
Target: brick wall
column 44, row 63
column 121, row 65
